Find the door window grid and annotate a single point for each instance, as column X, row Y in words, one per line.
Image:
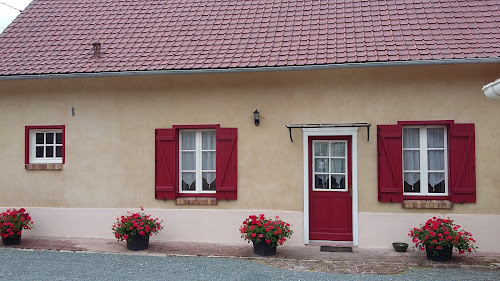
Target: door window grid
column 329, row 165
column 197, row 161
column 425, row 170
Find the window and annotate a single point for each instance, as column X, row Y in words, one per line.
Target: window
column 329, row 165
column 196, row 160
column 426, row 160
column 44, row 145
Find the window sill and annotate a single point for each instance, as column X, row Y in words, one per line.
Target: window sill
column 196, row 201
column 43, row 166
column 427, row 204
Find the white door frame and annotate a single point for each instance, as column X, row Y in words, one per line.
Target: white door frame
column 343, row 131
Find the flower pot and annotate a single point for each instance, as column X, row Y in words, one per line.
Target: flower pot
column 441, row 255
column 12, row 240
column 137, row 242
column 400, row 246
column 263, row 249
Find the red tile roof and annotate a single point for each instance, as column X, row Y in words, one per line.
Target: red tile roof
column 56, row 36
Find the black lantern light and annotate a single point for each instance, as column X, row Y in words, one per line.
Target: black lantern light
column 256, row 117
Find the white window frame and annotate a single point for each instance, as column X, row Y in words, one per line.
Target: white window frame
column 346, row 179
column 198, row 156
column 32, row 147
column 424, row 179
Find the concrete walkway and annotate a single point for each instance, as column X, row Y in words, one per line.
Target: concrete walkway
column 306, row 258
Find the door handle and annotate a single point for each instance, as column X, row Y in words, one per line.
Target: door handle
column 350, row 190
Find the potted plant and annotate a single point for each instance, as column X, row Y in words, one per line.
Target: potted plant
column 439, row 236
column 12, row 223
column 136, row 228
column 266, row 234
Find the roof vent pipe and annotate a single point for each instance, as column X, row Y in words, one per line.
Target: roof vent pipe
column 492, row 90
column 97, row 49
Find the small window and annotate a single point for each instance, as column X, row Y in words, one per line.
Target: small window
column 197, row 161
column 425, row 170
column 44, row 145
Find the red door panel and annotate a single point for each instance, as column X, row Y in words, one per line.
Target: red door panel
column 330, row 203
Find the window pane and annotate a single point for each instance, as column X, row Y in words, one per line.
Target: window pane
column 337, row 166
column 338, row 181
column 337, row 149
column 321, row 165
column 321, row 181
column 49, row 138
column 208, row 140
column 188, row 160
column 411, row 160
column 208, row 160
column 59, row 138
column 411, row 182
column 58, row 151
column 320, row 149
column 39, row 152
column 436, row 183
column 435, row 159
column 188, row 181
column 188, row 140
column 49, row 151
column 435, row 137
column 411, row 138
column 208, row 181
column 39, row 138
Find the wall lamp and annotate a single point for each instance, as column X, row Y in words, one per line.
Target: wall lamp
column 256, row 117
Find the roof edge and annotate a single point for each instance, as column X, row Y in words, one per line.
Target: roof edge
column 249, row 69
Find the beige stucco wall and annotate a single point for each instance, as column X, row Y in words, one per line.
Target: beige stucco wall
column 110, row 140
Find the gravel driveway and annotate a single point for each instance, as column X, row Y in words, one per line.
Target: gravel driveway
column 51, row 265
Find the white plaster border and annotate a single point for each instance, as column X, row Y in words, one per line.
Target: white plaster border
column 353, row 132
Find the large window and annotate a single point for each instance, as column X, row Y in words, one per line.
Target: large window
column 425, row 161
column 197, row 161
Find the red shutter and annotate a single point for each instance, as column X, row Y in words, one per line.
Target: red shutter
column 390, row 163
column 462, row 163
column 226, row 178
column 166, row 164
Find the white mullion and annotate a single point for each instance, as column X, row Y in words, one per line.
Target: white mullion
column 198, row 167
column 424, row 177
column 329, row 165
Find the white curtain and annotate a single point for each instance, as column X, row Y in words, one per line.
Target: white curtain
column 188, row 141
column 435, row 157
column 337, row 165
column 337, row 149
column 208, row 140
column 411, row 158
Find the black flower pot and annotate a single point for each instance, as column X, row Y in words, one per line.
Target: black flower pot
column 263, row 249
column 12, row 240
column 137, row 242
column 442, row 255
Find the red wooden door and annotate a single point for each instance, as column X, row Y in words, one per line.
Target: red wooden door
column 330, row 197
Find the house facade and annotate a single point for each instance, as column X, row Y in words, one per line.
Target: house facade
column 358, row 152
